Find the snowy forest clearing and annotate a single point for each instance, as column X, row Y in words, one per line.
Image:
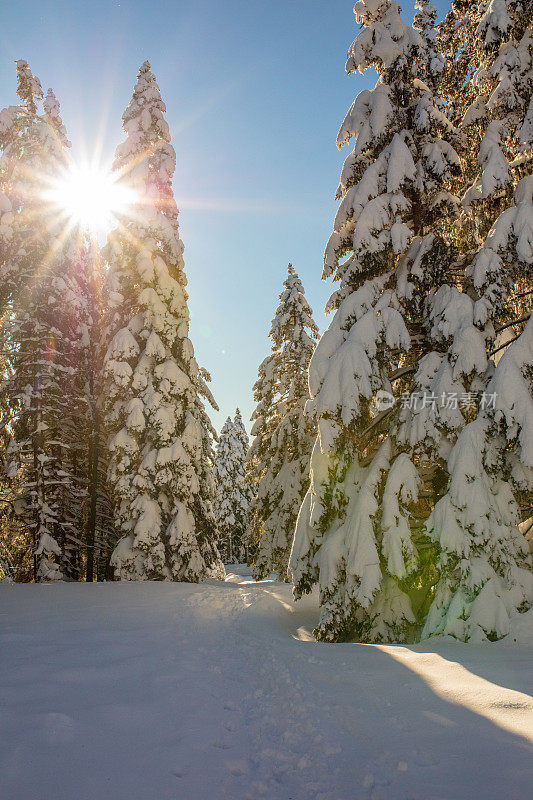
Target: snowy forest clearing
column 216, row 691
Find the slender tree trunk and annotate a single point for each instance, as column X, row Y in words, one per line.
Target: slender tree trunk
column 93, row 498
column 95, row 296
column 38, row 502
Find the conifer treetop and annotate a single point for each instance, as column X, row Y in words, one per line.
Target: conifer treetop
column 29, row 87
column 241, row 430
column 386, row 41
column 293, row 333
column 143, row 120
column 52, row 114
column 282, row 377
column 293, row 310
column 146, row 162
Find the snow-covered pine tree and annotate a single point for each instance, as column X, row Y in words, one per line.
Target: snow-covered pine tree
column 37, row 332
column 250, row 489
column 481, row 578
column 264, row 422
column 161, row 461
column 483, row 561
column 232, row 502
column 400, row 326
column 223, row 505
column 283, row 435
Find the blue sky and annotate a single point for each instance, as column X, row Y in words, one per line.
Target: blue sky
column 255, row 93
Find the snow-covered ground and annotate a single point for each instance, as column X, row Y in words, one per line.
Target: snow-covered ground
column 162, row 691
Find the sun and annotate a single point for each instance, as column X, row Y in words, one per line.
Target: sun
column 90, row 197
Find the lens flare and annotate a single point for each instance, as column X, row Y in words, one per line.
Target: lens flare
column 90, row 197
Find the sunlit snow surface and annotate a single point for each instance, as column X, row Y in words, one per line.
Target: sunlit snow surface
column 161, row 691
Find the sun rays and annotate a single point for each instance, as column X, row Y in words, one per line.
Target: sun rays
column 90, row 197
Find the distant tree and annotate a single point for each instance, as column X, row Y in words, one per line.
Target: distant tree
column 161, row 461
column 283, row 435
column 249, row 488
column 233, row 494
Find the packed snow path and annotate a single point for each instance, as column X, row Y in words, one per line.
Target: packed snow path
column 158, row 691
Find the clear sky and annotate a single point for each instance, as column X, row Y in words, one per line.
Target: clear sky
column 255, row 93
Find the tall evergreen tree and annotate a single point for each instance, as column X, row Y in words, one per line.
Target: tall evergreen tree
column 280, row 452
column 233, row 496
column 402, row 336
column 160, row 469
column 38, row 335
column 483, row 577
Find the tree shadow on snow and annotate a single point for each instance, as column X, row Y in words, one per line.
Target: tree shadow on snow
column 412, row 725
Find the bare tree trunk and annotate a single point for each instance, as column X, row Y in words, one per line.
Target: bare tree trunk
column 95, row 348
column 38, row 502
column 93, row 498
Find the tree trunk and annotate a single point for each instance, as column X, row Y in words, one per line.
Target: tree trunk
column 93, row 498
